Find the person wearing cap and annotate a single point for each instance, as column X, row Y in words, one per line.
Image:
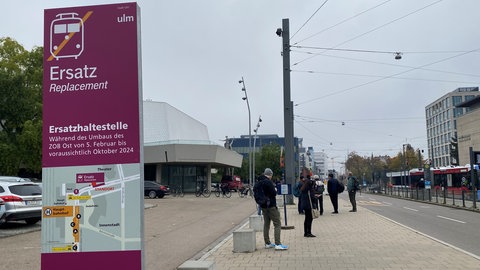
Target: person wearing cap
column 319, row 195
column 270, row 211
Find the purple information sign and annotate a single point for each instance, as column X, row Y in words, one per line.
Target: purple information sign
column 92, row 144
column 90, row 61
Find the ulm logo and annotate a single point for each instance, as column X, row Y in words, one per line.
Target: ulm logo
column 125, row 19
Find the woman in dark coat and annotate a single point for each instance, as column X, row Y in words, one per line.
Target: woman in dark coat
column 306, row 204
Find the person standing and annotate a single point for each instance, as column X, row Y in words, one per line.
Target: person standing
column 270, row 210
column 352, row 186
column 332, row 187
column 307, row 198
column 319, row 188
column 298, row 186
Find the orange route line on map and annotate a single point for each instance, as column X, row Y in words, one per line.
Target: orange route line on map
column 70, row 35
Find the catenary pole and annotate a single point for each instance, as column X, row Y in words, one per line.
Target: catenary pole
column 288, row 109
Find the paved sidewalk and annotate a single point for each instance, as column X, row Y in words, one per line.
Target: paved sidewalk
column 361, row 240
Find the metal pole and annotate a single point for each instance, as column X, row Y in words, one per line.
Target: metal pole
column 254, row 141
column 403, row 171
column 288, row 108
column 472, row 177
column 249, row 134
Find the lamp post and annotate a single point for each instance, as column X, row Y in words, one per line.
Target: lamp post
column 242, row 81
column 254, row 141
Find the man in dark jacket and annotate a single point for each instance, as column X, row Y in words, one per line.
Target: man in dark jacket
column 352, row 186
column 270, row 211
column 332, row 187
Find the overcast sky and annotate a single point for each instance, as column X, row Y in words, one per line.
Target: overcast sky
column 353, row 97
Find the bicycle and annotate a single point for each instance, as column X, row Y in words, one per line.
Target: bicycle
column 201, row 190
column 222, row 189
column 177, row 191
column 245, row 191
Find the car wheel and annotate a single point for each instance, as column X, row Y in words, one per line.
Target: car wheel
column 152, row 194
column 31, row 221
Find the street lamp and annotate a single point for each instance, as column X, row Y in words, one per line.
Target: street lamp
column 249, row 132
column 254, row 140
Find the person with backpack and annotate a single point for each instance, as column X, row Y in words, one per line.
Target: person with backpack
column 319, row 189
column 334, row 187
column 265, row 195
column 308, row 201
column 352, row 187
column 296, row 193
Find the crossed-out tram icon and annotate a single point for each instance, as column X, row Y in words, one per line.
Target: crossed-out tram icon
column 67, row 36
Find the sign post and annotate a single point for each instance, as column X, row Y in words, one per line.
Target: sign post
column 284, row 190
column 92, row 139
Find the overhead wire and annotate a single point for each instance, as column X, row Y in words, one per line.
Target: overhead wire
column 375, row 29
column 386, row 77
column 344, row 21
column 395, row 65
column 338, row 49
column 379, row 76
column 315, row 119
column 309, row 19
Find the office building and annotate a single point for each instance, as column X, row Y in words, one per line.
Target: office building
column 468, row 129
column 441, row 120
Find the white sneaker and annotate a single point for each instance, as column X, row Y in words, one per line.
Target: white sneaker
column 281, row 247
column 269, row 245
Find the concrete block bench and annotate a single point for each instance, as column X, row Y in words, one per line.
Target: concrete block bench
column 256, row 223
column 244, row 240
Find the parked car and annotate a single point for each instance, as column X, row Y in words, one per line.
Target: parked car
column 2, row 211
column 154, row 190
column 22, row 200
column 375, row 188
column 234, row 183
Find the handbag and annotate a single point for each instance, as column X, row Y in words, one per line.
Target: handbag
column 315, row 212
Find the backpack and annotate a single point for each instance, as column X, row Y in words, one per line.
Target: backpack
column 356, row 184
column 296, row 189
column 341, row 187
column 259, row 195
column 319, row 189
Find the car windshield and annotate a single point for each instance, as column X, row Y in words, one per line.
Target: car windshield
column 151, row 184
column 26, row 190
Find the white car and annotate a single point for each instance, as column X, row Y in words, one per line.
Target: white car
column 22, row 200
column 2, row 212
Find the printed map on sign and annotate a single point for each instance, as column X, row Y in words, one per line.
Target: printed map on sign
column 84, row 213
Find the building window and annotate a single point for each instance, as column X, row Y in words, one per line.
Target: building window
column 456, row 100
column 457, row 112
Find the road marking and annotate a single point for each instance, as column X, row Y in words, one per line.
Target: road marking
column 411, row 209
column 387, row 203
column 431, row 237
column 369, row 203
column 456, row 220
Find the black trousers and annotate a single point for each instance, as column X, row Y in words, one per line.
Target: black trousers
column 351, row 196
column 334, row 200
column 307, row 224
